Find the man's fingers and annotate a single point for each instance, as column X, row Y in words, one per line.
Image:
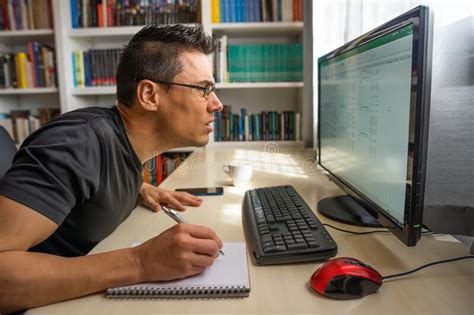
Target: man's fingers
column 153, row 205
column 188, row 199
column 203, row 232
column 207, row 247
column 200, row 260
column 175, row 204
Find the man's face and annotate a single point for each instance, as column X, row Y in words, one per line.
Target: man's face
column 187, row 115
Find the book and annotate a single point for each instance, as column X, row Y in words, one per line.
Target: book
column 215, row 11
column 21, row 59
column 110, row 13
column 228, row 277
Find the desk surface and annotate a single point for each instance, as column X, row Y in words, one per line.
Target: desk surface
column 284, row 289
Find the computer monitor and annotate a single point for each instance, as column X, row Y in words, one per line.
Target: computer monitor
column 373, row 115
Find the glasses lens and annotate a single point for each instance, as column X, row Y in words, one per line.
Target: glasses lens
column 209, row 89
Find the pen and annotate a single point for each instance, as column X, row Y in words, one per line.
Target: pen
column 178, row 218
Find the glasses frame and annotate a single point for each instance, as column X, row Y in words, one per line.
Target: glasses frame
column 207, row 89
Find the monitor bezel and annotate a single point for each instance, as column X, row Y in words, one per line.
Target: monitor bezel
column 409, row 232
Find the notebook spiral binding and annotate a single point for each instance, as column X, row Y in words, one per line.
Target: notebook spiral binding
column 178, row 292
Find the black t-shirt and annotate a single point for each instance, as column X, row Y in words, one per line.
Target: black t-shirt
column 81, row 172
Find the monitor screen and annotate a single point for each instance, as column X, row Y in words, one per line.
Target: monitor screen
column 365, row 116
column 372, row 128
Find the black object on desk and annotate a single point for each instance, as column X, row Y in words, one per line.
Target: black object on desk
column 282, row 228
column 204, row 191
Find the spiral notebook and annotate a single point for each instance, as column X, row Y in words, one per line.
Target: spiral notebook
column 228, row 277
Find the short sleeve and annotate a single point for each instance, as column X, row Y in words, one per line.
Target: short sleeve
column 57, row 168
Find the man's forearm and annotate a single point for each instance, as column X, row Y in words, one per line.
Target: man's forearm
column 33, row 279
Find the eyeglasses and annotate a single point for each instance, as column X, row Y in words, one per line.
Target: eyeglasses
column 207, row 89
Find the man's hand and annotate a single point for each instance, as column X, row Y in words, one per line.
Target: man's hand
column 153, row 197
column 181, row 251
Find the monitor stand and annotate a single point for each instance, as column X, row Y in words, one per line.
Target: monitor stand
column 346, row 210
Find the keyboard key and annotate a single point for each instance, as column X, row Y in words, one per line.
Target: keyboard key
column 274, row 249
column 313, row 226
column 264, row 231
column 297, row 246
column 283, row 219
column 270, row 219
column 313, row 244
column 274, row 228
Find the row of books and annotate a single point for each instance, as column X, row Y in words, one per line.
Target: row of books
column 101, row 13
column 25, row 15
column 95, row 67
column 258, row 62
column 161, row 166
column 265, row 126
column 225, row 11
column 28, row 70
column 20, row 123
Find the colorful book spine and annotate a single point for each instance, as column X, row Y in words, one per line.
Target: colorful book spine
column 235, row 11
column 215, row 11
column 28, row 69
column 260, row 62
column 266, row 126
column 110, row 13
column 79, row 69
column 21, row 59
column 95, row 67
column 158, row 168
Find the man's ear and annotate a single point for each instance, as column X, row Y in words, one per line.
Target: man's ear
column 147, row 95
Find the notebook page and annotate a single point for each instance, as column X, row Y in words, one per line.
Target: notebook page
column 228, row 270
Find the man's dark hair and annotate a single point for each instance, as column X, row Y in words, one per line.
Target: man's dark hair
column 154, row 52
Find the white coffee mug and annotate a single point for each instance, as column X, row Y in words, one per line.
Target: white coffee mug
column 240, row 174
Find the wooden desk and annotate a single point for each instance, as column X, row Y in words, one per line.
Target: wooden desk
column 284, row 289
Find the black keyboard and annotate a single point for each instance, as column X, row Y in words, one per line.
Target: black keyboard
column 282, row 228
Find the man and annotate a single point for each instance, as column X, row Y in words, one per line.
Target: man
column 75, row 180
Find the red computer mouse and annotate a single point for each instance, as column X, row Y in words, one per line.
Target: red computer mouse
column 345, row 278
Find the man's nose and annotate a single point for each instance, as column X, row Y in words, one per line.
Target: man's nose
column 215, row 104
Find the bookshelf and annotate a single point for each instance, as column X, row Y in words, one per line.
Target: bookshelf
column 253, row 96
column 258, row 98
column 26, row 33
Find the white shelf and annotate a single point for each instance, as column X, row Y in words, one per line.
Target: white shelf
column 104, row 32
column 10, row 91
column 95, row 90
column 26, row 33
column 258, row 28
column 259, row 85
column 23, row 36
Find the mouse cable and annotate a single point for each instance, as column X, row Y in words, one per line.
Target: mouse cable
column 353, row 232
column 369, row 232
column 427, row 265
